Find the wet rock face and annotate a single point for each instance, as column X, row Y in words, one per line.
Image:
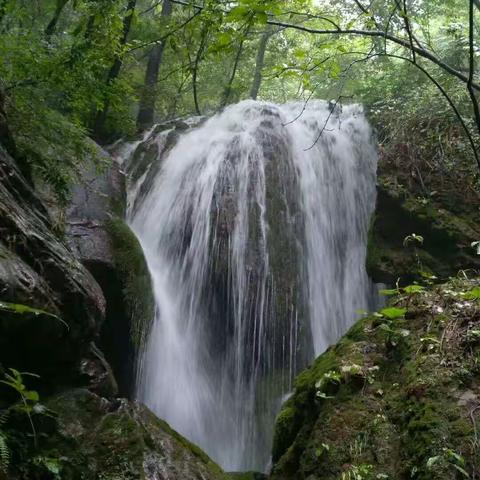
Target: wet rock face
column 93, row 438
column 95, row 199
column 280, row 242
column 147, row 158
column 105, row 245
column 38, row 270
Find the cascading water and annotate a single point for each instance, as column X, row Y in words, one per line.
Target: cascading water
column 254, row 225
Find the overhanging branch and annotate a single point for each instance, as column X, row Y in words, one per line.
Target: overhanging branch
column 374, row 33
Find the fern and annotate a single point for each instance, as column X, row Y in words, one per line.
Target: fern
column 4, row 450
column 3, row 417
column 4, row 453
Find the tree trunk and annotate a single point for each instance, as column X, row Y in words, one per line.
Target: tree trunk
column 146, row 111
column 114, row 72
column 228, row 88
column 50, row 30
column 198, row 57
column 260, row 63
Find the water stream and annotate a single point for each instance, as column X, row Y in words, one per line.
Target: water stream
column 254, row 224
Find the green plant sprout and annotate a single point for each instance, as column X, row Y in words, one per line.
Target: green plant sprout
column 29, row 399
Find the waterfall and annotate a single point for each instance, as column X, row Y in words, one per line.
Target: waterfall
column 254, row 225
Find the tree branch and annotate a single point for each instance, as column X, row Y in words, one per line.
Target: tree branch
column 313, row 16
column 409, row 31
column 366, row 33
column 167, row 35
column 374, row 33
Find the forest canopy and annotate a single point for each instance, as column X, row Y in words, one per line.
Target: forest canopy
column 111, row 68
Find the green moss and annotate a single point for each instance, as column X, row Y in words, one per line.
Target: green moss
column 400, row 407
column 91, row 438
column 130, row 263
column 197, row 451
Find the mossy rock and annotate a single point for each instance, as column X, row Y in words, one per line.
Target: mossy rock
column 447, row 235
column 110, row 440
column 247, row 476
column 131, row 266
column 107, row 247
column 404, row 400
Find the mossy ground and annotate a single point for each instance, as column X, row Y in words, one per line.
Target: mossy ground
column 404, row 400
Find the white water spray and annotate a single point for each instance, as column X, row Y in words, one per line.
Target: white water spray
column 254, row 225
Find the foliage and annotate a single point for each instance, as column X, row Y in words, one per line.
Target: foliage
column 358, row 472
column 449, row 458
column 55, row 79
column 393, row 312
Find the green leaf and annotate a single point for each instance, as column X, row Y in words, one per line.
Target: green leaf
column 389, row 291
column 412, row 289
column 238, row 13
column 335, row 70
column 324, row 395
column 385, row 327
column 393, row 312
column 473, row 294
column 23, row 309
column 262, row 17
column 223, row 39
column 461, row 470
column 413, row 238
column 31, row 395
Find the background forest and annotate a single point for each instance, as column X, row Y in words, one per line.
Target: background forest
column 110, row 68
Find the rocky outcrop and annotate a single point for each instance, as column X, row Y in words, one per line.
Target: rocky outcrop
column 448, row 226
column 397, row 397
column 107, row 247
column 94, row 200
column 38, row 270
